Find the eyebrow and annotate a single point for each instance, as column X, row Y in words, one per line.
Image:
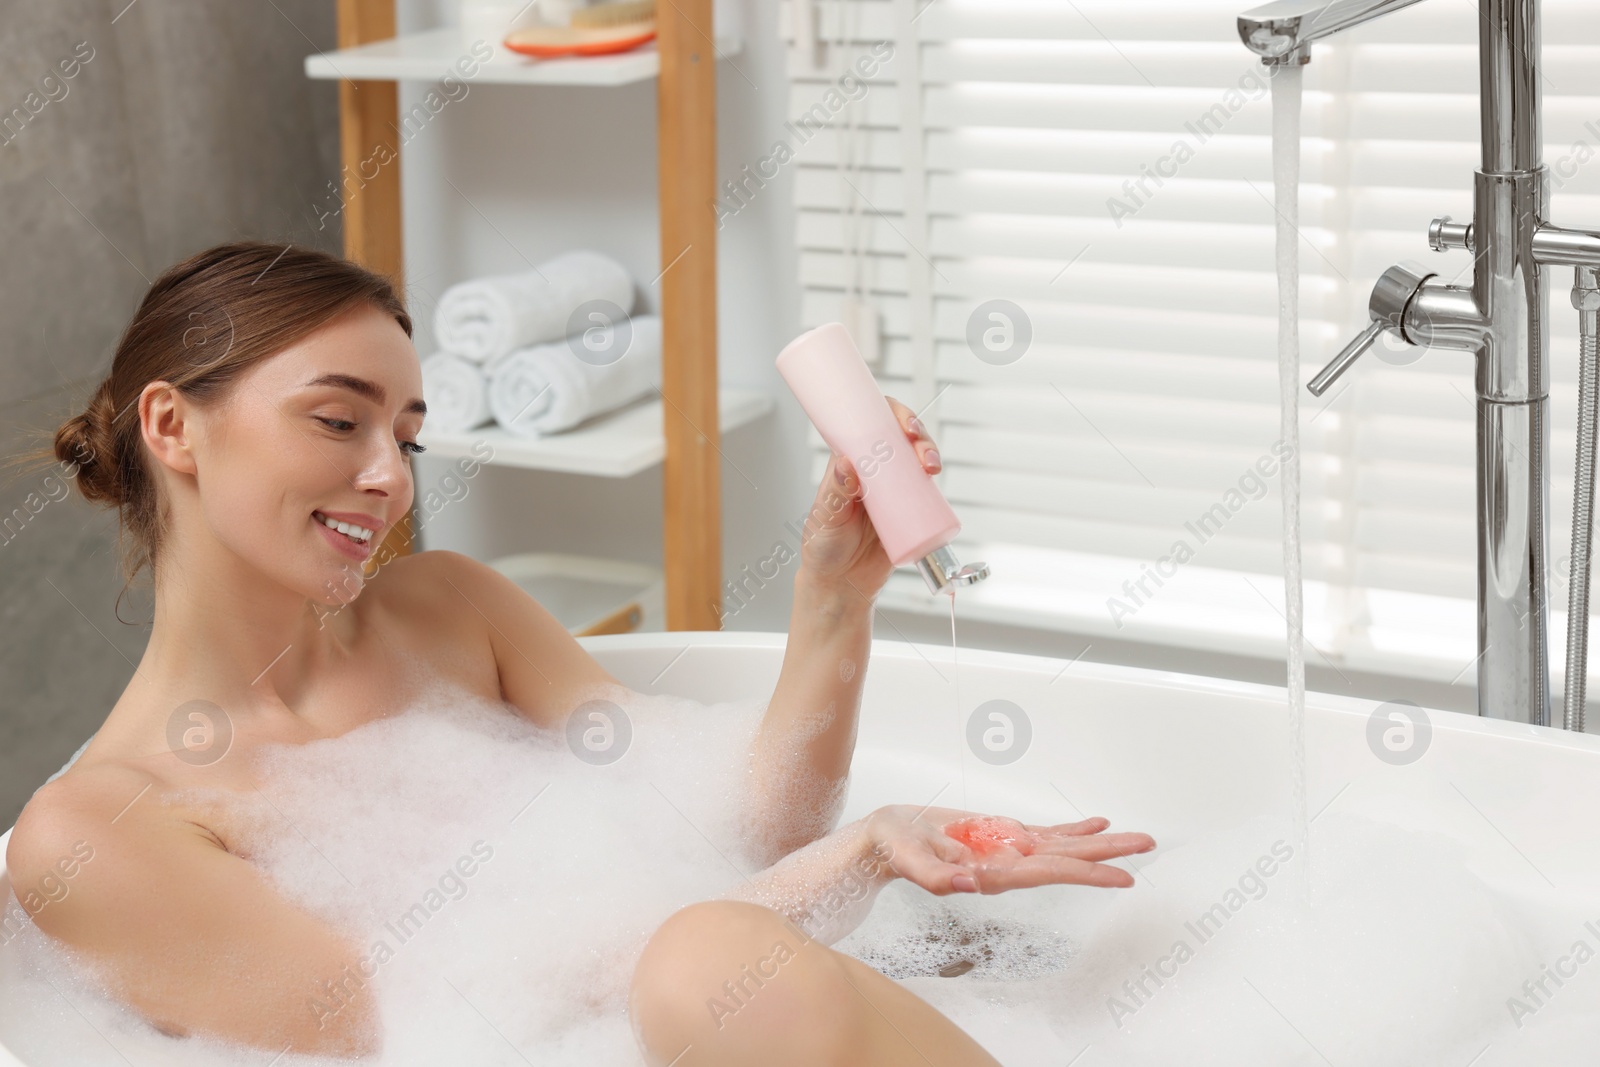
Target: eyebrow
column 371, row 390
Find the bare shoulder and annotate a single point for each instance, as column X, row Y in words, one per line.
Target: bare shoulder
column 437, row 579
column 52, row 837
column 542, row 670
column 442, row 590
column 423, row 604
column 91, row 816
column 187, row 933
column 418, row 573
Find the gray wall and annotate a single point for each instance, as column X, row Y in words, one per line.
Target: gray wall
column 191, row 124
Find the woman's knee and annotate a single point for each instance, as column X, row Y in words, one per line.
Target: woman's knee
column 732, row 982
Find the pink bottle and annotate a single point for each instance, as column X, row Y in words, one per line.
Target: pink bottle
column 826, row 373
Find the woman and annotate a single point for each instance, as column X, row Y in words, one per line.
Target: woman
column 255, row 434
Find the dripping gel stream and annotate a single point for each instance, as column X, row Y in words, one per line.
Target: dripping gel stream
column 955, row 667
column 1286, row 182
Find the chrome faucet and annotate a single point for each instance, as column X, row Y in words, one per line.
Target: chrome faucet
column 1282, row 32
column 1502, row 318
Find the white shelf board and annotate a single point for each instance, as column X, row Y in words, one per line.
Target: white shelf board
column 430, row 56
column 617, row 444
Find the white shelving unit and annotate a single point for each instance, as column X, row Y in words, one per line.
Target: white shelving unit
column 618, row 444
column 668, row 430
column 430, row 56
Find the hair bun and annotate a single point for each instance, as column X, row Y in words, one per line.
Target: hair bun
column 84, row 441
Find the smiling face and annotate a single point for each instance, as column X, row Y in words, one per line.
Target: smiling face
column 324, row 429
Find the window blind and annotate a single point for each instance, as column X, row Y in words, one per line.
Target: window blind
column 1105, row 167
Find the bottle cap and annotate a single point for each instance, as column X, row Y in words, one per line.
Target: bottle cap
column 940, row 569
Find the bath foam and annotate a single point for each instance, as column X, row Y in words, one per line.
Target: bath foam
column 1409, row 957
column 912, row 934
column 53, row 1012
column 1406, row 957
column 527, row 957
column 794, row 797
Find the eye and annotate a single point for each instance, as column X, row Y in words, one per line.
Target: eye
column 345, row 425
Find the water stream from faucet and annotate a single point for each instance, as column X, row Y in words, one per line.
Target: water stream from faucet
column 1286, row 98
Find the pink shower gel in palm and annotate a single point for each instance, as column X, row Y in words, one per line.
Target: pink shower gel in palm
column 827, row 374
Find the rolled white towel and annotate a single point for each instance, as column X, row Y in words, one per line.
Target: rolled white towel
column 456, row 391
column 544, row 389
column 487, row 318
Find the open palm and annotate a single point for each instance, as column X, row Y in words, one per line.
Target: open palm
column 992, row 854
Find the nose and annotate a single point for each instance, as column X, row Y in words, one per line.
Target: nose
column 386, row 471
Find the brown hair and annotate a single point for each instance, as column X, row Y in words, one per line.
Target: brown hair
column 202, row 324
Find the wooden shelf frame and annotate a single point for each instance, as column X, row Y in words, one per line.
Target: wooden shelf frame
column 686, row 100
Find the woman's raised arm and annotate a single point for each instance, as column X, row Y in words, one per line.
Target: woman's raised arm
column 802, row 754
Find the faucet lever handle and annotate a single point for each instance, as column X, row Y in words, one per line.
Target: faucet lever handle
column 1341, row 363
column 1392, row 294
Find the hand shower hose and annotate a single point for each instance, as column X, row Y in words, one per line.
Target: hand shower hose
column 1586, row 298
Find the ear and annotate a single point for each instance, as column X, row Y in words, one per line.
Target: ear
column 165, row 424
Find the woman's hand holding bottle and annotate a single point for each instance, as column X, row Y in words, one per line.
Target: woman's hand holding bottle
column 844, row 546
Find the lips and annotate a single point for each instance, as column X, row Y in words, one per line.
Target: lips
column 355, row 550
column 370, row 523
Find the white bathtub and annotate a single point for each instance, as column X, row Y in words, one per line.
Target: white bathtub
column 1172, row 755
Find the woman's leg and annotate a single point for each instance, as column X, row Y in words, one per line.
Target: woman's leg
column 732, row 983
